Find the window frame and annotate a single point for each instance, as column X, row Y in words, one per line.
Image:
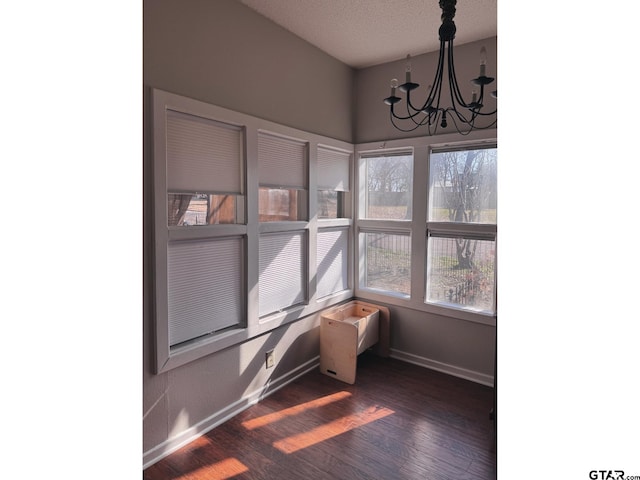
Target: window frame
column 343, row 221
column 166, row 357
column 478, row 231
column 375, row 225
column 417, row 227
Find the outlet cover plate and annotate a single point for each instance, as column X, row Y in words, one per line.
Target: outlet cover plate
column 270, row 360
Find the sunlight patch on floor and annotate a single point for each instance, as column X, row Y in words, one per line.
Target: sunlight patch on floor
column 332, row 429
column 288, row 412
column 227, row 468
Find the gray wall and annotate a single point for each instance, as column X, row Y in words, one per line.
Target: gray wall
column 454, row 346
column 223, row 53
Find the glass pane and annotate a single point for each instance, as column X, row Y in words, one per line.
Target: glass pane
column 389, row 182
column 388, row 262
column 281, row 204
column 463, row 186
column 201, row 209
column 461, row 273
column 330, row 204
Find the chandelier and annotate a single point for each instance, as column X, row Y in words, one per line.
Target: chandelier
column 431, row 114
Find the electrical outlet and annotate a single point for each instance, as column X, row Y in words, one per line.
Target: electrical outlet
column 270, row 361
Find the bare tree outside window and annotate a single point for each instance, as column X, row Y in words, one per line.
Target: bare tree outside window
column 463, row 186
column 389, row 182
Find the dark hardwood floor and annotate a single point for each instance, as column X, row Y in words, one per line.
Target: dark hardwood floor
column 398, row 421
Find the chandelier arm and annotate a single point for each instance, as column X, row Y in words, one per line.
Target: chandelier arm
column 486, row 114
column 463, row 132
column 473, row 109
column 410, row 106
column 475, row 113
column 400, row 117
column 392, row 116
column 437, row 82
column 472, row 126
column 453, row 79
column 438, row 85
column 480, row 99
column 456, row 100
column 435, row 86
column 427, row 120
column 463, row 118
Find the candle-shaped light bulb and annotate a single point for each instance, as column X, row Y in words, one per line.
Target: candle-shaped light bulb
column 474, row 96
column 394, row 85
column 483, row 62
column 408, row 69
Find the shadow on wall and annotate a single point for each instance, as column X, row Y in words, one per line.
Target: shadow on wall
column 291, row 359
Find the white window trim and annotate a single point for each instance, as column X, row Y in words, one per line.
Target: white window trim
column 167, row 358
column 417, row 226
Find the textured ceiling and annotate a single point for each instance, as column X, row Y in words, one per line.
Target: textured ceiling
column 362, row 33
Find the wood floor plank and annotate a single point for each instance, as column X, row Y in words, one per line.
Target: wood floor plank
column 398, row 421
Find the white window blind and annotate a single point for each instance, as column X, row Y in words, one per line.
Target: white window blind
column 333, row 169
column 282, row 271
column 281, row 162
column 202, row 155
column 205, row 287
column 333, row 248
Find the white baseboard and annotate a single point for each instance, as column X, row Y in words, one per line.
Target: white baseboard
column 474, row 376
column 169, row 446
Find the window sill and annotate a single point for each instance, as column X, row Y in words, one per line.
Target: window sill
column 405, row 301
column 196, row 349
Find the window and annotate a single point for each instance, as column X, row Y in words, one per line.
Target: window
column 201, row 209
column 461, row 272
column 461, row 229
column 389, row 180
column 283, row 176
column 387, row 259
column 205, row 283
column 427, row 224
column 204, row 171
column 282, row 169
column 233, row 227
column 384, row 226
